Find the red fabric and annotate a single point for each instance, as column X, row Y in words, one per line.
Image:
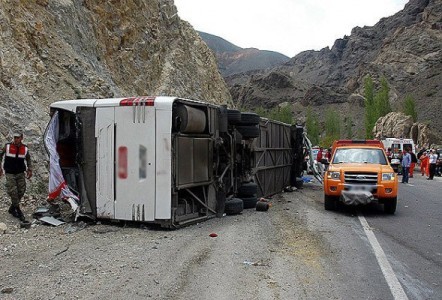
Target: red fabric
column 319, row 156
column 54, row 194
column 12, row 150
column 412, row 166
column 424, row 165
column 328, row 155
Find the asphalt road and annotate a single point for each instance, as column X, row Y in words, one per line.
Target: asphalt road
column 409, row 242
column 296, row 250
column 411, row 238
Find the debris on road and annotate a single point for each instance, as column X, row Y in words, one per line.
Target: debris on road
column 256, row 264
column 51, row 221
column 262, row 206
column 62, row 251
column 7, row 290
column 74, row 227
column 25, row 224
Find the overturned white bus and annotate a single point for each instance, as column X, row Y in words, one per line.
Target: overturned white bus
column 167, row 160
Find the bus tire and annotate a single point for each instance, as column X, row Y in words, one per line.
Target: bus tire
column 233, row 116
column 249, row 202
column 234, row 206
column 248, row 131
column 248, row 189
column 248, row 118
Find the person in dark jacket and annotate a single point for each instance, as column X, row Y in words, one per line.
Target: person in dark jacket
column 17, row 162
column 413, row 163
column 432, row 161
column 406, row 161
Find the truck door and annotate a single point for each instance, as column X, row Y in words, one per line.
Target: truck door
column 135, row 163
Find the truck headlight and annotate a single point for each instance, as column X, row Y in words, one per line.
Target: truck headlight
column 387, row 176
column 333, row 175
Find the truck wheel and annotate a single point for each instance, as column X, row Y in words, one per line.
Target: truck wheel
column 234, row 206
column 247, row 189
column 233, row 116
column 248, row 131
column 248, row 118
column 390, row 205
column 329, row 202
column 249, row 202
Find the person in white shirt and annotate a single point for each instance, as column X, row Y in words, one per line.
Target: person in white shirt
column 432, row 161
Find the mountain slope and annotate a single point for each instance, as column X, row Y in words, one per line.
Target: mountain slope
column 53, row 50
column 405, row 48
column 233, row 59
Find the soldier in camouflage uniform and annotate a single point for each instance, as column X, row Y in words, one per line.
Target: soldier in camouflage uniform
column 15, row 155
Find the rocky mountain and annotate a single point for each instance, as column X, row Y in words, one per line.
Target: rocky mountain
column 405, row 48
column 66, row 49
column 233, row 59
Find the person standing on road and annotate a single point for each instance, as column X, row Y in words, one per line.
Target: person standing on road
column 319, row 160
column 406, row 161
column 432, row 161
column 389, row 154
column 419, row 154
column 326, row 159
column 16, row 154
column 424, row 164
column 413, row 163
column 439, row 167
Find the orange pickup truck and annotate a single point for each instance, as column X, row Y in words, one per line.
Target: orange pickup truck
column 359, row 173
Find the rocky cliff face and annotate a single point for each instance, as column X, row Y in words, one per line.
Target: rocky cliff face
column 66, row 49
column 405, row 48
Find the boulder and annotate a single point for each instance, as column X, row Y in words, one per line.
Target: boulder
column 399, row 125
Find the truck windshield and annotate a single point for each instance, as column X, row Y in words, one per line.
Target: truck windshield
column 359, row 155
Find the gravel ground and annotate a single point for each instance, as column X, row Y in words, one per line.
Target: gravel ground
column 256, row 255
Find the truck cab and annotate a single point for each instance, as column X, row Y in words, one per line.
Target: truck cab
column 360, row 173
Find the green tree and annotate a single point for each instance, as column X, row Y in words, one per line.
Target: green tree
column 277, row 113
column 376, row 104
column 261, row 111
column 370, row 111
column 332, row 128
column 381, row 100
column 410, row 107
column 282, row 114
column 312, row 126
column 360, row 134
column 349, row 127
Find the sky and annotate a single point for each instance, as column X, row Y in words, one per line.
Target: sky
column 285, row 26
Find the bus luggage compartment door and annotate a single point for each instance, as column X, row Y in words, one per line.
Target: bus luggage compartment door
column 135, row 163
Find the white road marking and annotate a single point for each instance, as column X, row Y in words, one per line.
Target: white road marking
column 392, row 281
